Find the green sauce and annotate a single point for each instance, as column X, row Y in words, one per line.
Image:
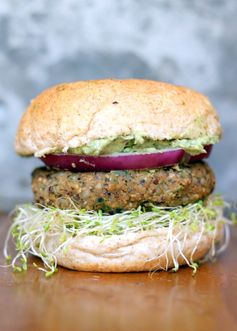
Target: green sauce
column 137, row 143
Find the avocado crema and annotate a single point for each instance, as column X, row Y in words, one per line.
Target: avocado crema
column 140, row 144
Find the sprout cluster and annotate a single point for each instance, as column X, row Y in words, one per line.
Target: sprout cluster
column 34, row 224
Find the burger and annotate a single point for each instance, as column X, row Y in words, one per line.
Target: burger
column 124, row 187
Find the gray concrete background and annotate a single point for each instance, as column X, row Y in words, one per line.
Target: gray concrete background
column 187, row 42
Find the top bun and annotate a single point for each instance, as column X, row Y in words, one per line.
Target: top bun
column 73, row 114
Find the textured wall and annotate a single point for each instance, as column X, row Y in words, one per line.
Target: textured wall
column 191, row 43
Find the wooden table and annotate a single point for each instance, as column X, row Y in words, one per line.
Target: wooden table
column 138, row 301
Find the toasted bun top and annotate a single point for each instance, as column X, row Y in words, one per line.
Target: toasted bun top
column 73, row 114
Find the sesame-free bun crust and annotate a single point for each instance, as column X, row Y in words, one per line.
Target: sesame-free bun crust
column 73, row 114
column 144, row 251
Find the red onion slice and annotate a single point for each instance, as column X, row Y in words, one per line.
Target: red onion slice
column 122, row 161
column 208, row 149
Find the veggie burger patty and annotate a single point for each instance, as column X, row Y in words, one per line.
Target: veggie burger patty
column 116, row 191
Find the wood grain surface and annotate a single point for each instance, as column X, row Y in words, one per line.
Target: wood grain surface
column 73, row 300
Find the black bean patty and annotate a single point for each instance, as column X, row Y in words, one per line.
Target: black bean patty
column 116, row 191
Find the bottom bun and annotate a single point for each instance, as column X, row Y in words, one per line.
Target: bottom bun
column 135, row 240
column 132, row 252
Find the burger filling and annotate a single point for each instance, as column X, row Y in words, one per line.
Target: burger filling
column 138, row 143
column 118, row 191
